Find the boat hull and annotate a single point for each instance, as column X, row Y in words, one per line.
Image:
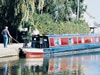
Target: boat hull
column 71, row 48
column 33, row 53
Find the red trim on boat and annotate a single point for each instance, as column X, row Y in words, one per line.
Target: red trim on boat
column 34, row 55
column 51, row 41
column 87, row 39
column 93, row 39
column 98, row 38
column 75, row 40
column 79, row 40
column 64, row 41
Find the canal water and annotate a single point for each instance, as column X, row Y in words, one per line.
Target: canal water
column 81, row 64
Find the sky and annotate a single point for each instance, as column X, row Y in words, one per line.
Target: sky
column 93, row 8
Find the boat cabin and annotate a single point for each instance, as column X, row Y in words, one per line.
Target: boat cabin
column 40, row 41
column 50, row 41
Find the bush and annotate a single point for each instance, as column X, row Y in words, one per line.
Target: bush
column 46, row 25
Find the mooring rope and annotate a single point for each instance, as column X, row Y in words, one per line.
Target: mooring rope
column 15, row 40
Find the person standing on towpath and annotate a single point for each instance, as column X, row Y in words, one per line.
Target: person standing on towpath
column 5, row 33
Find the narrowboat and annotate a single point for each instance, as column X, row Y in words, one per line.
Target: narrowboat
column 46, row 44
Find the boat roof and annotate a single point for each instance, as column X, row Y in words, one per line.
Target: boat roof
column 70, row 35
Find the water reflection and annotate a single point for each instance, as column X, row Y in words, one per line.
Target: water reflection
column 5, row 68
column 86, row 64
column 7, row 65
column 75, row 65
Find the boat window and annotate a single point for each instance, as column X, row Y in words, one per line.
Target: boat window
column 57, row 41
column 70, row 40
column 82, row 39
column 96, row 38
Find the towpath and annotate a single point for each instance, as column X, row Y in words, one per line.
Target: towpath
column 11, row 50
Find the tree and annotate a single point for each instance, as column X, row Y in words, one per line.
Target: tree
column 50, row 13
